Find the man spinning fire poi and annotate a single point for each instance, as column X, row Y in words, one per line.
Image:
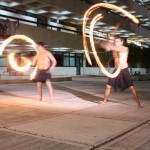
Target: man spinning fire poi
column 120, row 78
column 123, row 80
column 45, row 63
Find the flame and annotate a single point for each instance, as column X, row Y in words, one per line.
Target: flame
column 11, row 56
column 33, row 73
column 15, row 66
column 94, row 20
column 15, row 37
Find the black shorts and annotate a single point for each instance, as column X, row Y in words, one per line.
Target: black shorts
column 122, row 81
column 42, row 76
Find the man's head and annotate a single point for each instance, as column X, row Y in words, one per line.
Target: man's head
column 39, row 46
column 118, row 41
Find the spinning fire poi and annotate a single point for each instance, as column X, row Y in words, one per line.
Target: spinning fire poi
column 11, row 55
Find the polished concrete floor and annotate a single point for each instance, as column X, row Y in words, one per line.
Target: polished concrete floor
column 74, row 120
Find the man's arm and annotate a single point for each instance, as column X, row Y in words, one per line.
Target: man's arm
column 34, row 61
column 29, row 59
column 108, row 44
column 113, row 32
column 116, row 59
column 53, row 61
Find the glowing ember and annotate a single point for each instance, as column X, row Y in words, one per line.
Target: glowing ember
column 94, row 20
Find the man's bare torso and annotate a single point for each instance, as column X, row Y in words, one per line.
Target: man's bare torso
column 121, row 56
column 43, row 61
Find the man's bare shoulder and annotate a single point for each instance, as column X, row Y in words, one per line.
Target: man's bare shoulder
column 125, row 49
column 48, row 52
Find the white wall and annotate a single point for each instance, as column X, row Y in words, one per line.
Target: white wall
column 64, row 71
column 71, row 71
column 97, row 71
column 2, row 69
column 142, row 70
column 3, row 62
column 94, row 71
column 58, row 71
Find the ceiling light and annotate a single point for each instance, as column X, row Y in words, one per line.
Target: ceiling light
column 112, row 2
column 56, row 48
column 147, row 24
column 61, row 12
column 122, row 31
column 123, row 6
column 138, row 16
column 100, row 23
column 77, row 18
column 132, row 12
column 59, row 17
column 144, row 19
column 131, row 33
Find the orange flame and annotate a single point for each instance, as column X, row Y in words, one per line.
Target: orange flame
column 11, row 56
column 15, row 66
column 33, row 73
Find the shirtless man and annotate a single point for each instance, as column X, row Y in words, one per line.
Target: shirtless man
column 123, row 80
column 45, row 63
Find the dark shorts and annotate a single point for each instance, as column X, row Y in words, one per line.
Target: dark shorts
column 122, row 81
column 42, row 76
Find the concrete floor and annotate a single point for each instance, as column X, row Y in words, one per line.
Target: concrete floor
column 74, row 120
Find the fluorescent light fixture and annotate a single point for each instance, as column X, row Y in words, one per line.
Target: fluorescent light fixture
column 100, row 23
column 56, row 48
column 118, row 33
column 122, row 31
column 132, row 12
column 63, row 17
column 144, row 1
column 112, row 2
column 147, row 24
column 144, row 19
column 138, row 16
column 123, row 6
column 112, row 27
column 60, row 17
column 96, row 26
column 9, row 4
column 131, row 34
column 36, row 11
column 125, row 35
column 146, row 46
column 60, row 50
column 77, row 18
column 41, row 11
column 106, row 30
column 61, row 12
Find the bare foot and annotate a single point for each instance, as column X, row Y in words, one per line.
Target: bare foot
column 50, row 101
column 104, row 102
column 40, row 99
column 139, row 107
column 99, row 102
